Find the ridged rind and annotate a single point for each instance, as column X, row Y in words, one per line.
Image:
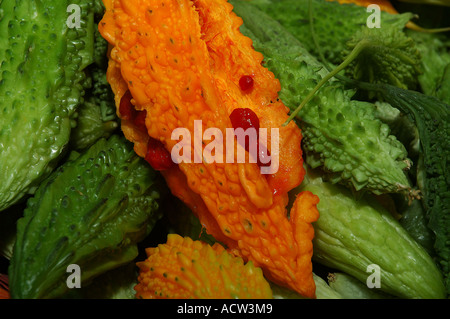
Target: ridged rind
column 91, row 212
column 41, row 84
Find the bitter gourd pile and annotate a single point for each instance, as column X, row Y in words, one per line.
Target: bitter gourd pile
column 429, row 113
column 334, row 23
column 76, row 192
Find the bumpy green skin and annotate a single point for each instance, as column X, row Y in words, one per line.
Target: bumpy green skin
column 334, row 23
column 432, row 118
column 92, row 211
column 91, row 126
column 340, row 135
column 352, row 234
column 401, row 126
column 338, row 27
column 96, row 117
column 435, row 52
column 41, row 84
column 391, row 57
column 101, row 89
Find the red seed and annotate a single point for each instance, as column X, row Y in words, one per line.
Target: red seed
column 126, row 109
column 245, row 118
column 158, row 156
column 246, row 83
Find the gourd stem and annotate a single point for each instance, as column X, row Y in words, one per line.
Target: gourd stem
column 363, row 44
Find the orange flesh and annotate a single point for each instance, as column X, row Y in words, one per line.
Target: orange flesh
column 182, row 268
column 182, row 61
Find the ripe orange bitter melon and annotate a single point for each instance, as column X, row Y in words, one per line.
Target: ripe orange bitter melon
column 182, row 61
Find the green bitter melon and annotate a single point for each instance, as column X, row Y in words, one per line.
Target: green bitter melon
column 91, row 211
column 334, row 23
column 361, row 238
column 390, row 57
column 435, row 51
column 96, row 116
column 42, row 82
column 351, row 288
column 432, row 118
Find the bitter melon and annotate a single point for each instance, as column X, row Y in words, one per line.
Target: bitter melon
column 349, row 18
column 351, row 288
column 93, row 123
column 432, row 118
column 183, row 268
column 192, row 67
column 387, row 56
column 91, row 212
column 361, row 238
column 96, row 116
column 393, row 59
column 341, row 135
column 334, row 23
column 435, row 52
column 42, row 82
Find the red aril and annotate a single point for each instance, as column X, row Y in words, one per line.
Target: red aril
column 126, row 109
column 246, row 83
column 158, row 156
column 244, row 118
